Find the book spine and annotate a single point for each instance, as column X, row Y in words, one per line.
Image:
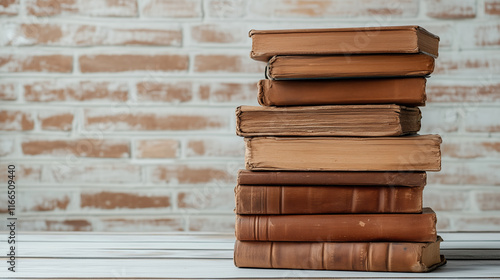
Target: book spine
column 318, row 199
column 362, row 256
column 339, row 227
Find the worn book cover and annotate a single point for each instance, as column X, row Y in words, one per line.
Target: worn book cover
column 403, row 153
column 386, row 39
column 338, row 227
column 331, row 67
column 359, row 256
column 338, row 120
column 402, row 91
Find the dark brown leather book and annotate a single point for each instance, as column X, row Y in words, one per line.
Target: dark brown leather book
column 338, row 227
column 337, row 120
column 360, row 256
column 262, row 200
column 403, row 91
column 331, row 178
column 403, row 153
column 331, row 67
column 387, row 39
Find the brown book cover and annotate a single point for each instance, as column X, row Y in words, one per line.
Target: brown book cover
column 263, row 200
column 403, row 153
column 330, row 67
column 386, row 39
column 403, row 91
column 338, row 227
column 359, row 256
column 331, row 178
column 337, row 120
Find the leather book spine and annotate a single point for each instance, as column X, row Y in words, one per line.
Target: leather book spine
column 338, row 227
column 259, row 200
column 361, row 256
column 346, row 178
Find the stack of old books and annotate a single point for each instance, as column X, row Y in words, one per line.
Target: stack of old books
column 335, row 167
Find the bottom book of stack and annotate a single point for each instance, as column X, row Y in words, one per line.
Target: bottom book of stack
column 359, row 256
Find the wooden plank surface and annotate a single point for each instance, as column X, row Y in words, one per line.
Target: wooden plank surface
column 206, row 256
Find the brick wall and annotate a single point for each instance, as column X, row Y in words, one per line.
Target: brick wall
column 118, row 114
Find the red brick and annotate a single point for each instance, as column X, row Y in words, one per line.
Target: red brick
column 122, row 200
column 36, row 63
column 219, row 34
column 142, row 224
column 486, row 35
column 81, row 91
column 479, row 222
column 335, row 8
column 55, row 224
column 87, row 35
column 443, row 222
column 176, row 92
column 16, row 120
column 81, row 148
column 221, row 223
column 438, row 120
column 446, row 200
column 214, row 199
column 227, row 64
column 132, row 62
column 25, row 173
column 56, row 120
column 47, row 200
column 191, row 174
column 9, row 7
column 229, row 92
column 8, row 91
column 482, row 120
column 172, row 8
column 77, row 172
column 6, row 146
column 451, row 9
column 468, row 173
column 154, row 120
column 478, row 64
column 492, row 7
column 469, row 148
column 100, row 8
column 487, row 201
column 157, row 148
column 216, row 147
column 462, row 92
column 226, row 8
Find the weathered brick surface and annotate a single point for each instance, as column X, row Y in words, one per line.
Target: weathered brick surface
column 28, row 34
column 119, row 114
column 97, row 8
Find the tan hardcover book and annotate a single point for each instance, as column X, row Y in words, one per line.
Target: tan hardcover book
column 402, row 91
column 263, row 200
column 331, row 67
column 386, row 39
column 359, row 256
column 338, row 120
column 403, row 153
column 331, row 178
column 338, row 227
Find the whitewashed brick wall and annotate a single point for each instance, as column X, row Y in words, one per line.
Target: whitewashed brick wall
column 118, row 114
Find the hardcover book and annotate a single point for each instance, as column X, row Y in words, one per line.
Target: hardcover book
column 359, row 256
column 362, row 40
column 330, row 67
column 403, row 153
column 402, row 91
column 263, row 200
column 338, row 227
column 329, row 178
column 339, row 120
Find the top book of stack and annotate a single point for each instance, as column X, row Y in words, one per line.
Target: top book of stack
column 367, row 40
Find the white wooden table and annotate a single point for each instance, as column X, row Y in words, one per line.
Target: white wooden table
column 205, row 255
